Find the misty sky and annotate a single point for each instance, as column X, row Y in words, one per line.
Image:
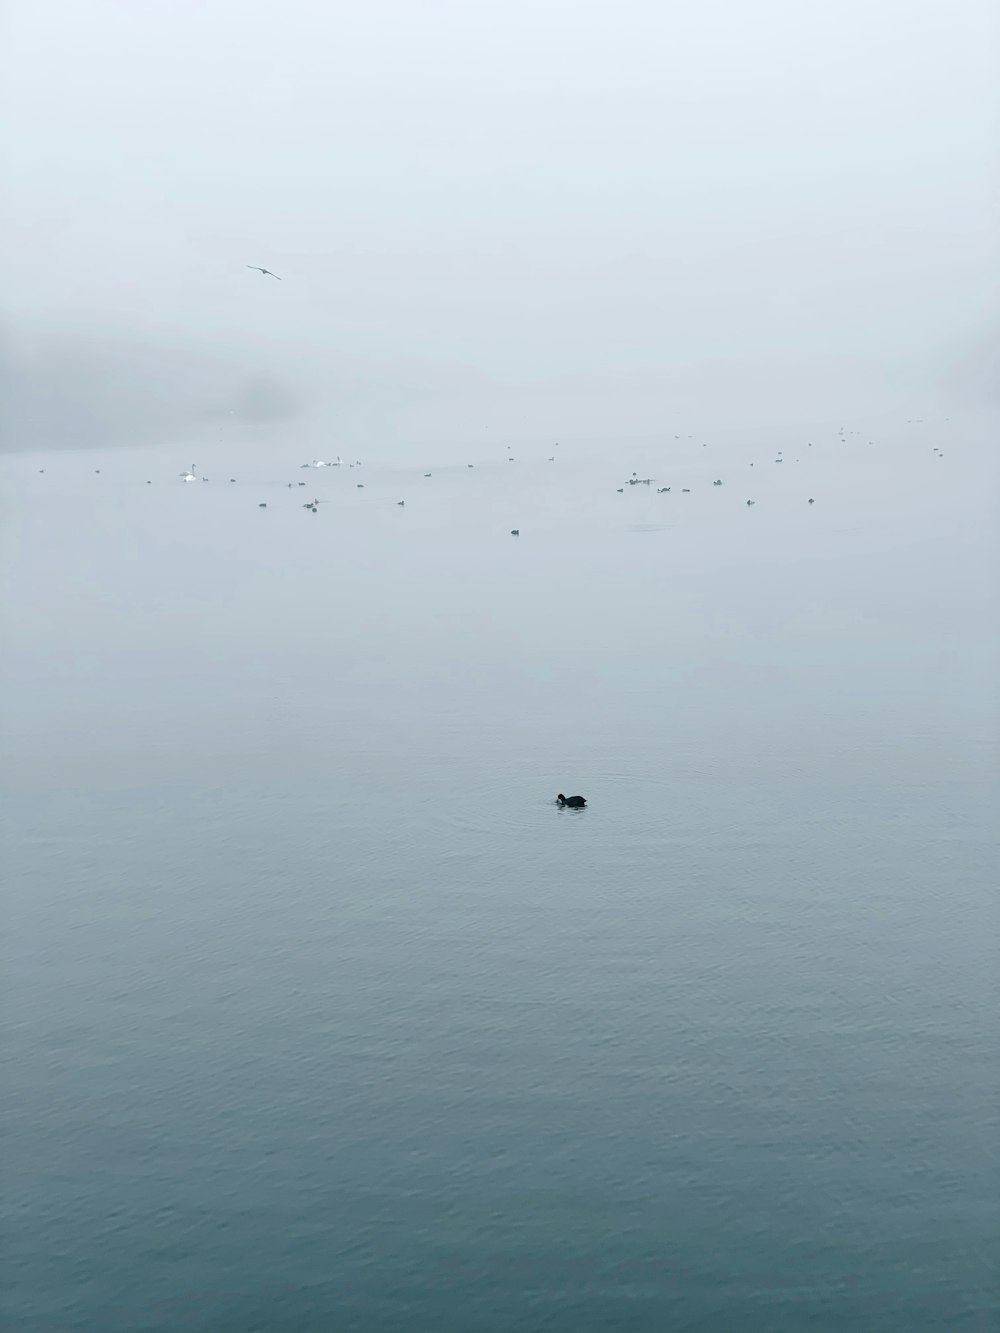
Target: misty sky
column 575, row 203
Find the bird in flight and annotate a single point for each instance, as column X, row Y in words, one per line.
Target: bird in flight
column 266, row 271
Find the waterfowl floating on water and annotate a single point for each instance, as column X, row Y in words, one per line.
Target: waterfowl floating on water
column 574, row 802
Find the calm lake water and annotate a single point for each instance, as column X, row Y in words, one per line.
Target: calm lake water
column 321, row 1015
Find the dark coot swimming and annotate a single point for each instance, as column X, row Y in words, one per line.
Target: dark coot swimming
column 577, row 802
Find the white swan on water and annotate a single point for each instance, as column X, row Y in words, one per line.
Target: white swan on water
column 188, row 476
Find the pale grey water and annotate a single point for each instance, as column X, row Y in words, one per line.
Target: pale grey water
column 321, row 1015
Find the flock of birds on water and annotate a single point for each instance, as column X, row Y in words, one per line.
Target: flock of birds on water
column 191, row 474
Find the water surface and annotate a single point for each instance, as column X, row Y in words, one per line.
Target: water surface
column 321, row 1015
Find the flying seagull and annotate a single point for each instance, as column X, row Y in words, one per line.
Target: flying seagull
column 266, row 271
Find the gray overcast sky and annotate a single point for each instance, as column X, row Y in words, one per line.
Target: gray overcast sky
column 579, row 202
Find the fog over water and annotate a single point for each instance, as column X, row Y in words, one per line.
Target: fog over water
column 319, row 1013
column 542, row 216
